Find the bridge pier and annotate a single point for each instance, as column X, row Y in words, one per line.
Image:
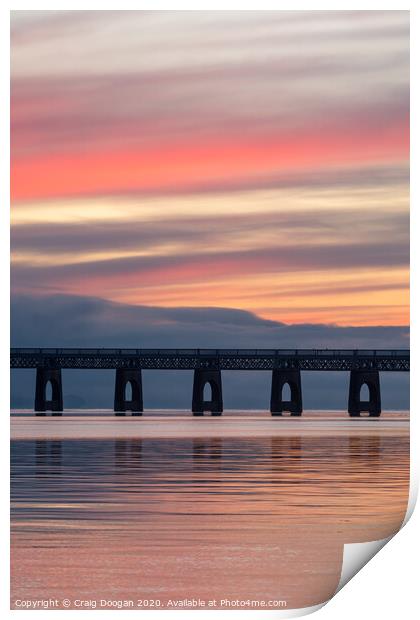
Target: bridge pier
column 214, row 379
column 121, row 405
column 43, row 377
column 357, row 379
column 279, row 379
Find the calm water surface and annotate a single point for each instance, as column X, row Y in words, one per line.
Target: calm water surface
column 212, row 517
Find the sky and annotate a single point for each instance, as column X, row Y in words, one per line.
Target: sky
column 241, row 161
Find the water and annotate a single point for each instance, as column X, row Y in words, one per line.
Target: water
column 172, row 508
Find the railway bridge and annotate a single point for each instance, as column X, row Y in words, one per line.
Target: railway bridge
column 285, row 365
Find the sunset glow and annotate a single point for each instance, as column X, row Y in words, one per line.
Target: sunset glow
column 255, row 161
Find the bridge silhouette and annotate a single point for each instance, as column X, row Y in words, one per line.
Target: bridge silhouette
column 364, row 366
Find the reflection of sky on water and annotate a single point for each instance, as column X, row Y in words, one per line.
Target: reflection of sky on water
column 210, row 517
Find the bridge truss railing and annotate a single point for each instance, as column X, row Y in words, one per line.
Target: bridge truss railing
column 217, row 359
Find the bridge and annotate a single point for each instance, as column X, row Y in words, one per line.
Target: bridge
column 364, row 366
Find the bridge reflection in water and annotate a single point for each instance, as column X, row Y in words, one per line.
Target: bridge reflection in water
column 364, row 367
column 285, row 451
column 210, row 517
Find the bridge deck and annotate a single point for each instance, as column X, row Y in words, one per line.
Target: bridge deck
column 213, row 359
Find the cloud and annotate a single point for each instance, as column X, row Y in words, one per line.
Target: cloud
column 158, row 40
column 147, row 110
column 93, row 322
column 189, row 166
column 100, row 105
column 201, row 230
column 263, row 250
column 146, row 271
column 72, row 321
column 171, row 157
